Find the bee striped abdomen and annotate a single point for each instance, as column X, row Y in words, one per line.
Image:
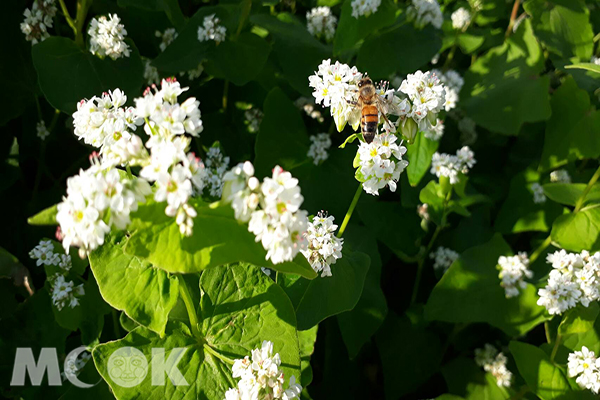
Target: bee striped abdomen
column 369, row 121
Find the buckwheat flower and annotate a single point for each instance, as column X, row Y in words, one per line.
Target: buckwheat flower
column 319, row 145
column 513, row 271
column 166, row 37
column 212, row 30
column 560, row 176
column 65, row 262
column 444, row 257
column 452, row 167
column 584, row 365
column 241, row 189
column 324, row 248
column 424, row 12
column 364, row 7
column 42, row 131
column 38, row 20
column 495, row 363
column 216, row 165
column 538, row 193
column 151, row 75
column 461, row 18
column 321, row 23
column 261, row 377
column 253, row 117
column 107, row 37
column 422, row 211
column 595, row 60
column 380, row 163
column 193, row 73
column 427, row 97
column 65, row 293
column 44, row 254
column 308, row 106
column 435, row 132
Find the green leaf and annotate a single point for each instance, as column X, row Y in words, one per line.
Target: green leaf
column 569, row 193
column 144, row 293
column 359, row 324
column 585, row 66
column 238, row 60
column 419, row 158
column 350, row 30
column 45, row 217
column 542, row 376
column 579, row 320
column 573, row 130
column 578, row 231
column 170, row 7
column 68, row 73
column 282, row 139
column 563, row 27
column 470, row 42
column 470, row 292
column 323, row 297
column 396, row 43
column 240, row 307
column 306, row 340
column 401, row 339
column 218, row 239
column 466, row 379
column 503, row 89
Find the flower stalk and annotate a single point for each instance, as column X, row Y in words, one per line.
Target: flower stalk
column 350, row 211
column 189, row 306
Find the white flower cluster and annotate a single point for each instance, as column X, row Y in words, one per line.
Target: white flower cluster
column 321, row 22
column 166, row 37
column 216, row 165
column 513, row 270
column 435, row 132
column 538, row 193
column 320, row 143
column 426, row 98
column 364, row 7
column 95, row 201
column 595, row 60
column 212, row 30
column 560, row 176
column 272, row 209
column 444, row 257
column 494, row 362
column 308, row 106
column 41, row 130
column 151, row 75
column 380, row 163
column 574, row 278
column 324, row 248
column 451, row 166
column 44, row 254
column 424, row 12
column 586, row 367
column 74, row 364
column 38, row 20
column 65, row 292
column 453, row 83
column 334, row 87
column 253, row 118
column 261, row 378
column 107, row 37
column 461, row 19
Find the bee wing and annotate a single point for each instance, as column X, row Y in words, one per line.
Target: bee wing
column 382, row 108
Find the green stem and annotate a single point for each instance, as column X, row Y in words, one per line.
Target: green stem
column 225, row 94
column 547, row 332
column 218, row 355
column 350, row 210
column 540, row 249
column 189, row 305
column 449, row 58
column 54, row 121
column 513, row 17
column 587, row 189
column 129, row 174
column 555, row 348
column 82, row 9
column 245, row 14
column 70, row 21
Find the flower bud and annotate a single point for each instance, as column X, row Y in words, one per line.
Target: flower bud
column 409, row 130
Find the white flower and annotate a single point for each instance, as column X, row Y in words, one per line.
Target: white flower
column 424, row 12
column 253, row 119
column 324, row 248
column 107, row 37
column 212, row 30
column 308, row 106
column 380, row 163
column 364, row 7
column 44, row 254
column 320, row 143
column 435, row 132
column 64, row 292
column 513, row 270
column 151, row 75
column 560, row 176
column 261, row 377
column 193, row 73
column 38, row 20
column 216, row 165
column 538, row 193
column 595, row 60
column 422, row 211
column 586, row 367
column 42, row 131
column 444, row 258
column 461, row 18
column 451, row 166
column 166, row 37
column 495, row 363
column 320, row 22
column 427, row 95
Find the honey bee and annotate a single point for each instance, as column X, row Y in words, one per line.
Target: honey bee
column 371, row 106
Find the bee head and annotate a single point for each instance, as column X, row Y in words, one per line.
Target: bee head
column 365, row 81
